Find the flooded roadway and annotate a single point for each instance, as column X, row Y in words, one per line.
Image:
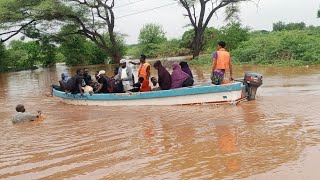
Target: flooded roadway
column 275, row 137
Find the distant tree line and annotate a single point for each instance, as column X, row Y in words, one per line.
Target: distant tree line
column 80, row 32
column 55, row 23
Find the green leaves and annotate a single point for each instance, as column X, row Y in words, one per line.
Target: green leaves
column 150, row 38
column 280, row 47
column 152, row 34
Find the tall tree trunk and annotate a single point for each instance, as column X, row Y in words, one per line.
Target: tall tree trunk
column 197, row 42
column 115, row 51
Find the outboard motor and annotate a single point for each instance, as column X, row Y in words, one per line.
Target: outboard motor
column 252, row 82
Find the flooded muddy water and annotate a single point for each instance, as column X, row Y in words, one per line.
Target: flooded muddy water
column 275, row 137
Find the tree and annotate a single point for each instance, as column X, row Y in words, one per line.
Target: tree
column 72, row 46
column 91, row 17
column 152, row 33
column 100, row 16
column 150, row 38
column 17, row 16
column 199, row 21
column 24, row 55
column 233, row 34
column 211, row 35
column 3, row 58
column 280, row 26
column 48, row 51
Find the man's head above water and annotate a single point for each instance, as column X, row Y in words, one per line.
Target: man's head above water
column 20, row 108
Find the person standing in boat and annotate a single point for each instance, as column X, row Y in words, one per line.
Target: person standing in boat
column 145, row 72
column 125, row 75
column 221, row 62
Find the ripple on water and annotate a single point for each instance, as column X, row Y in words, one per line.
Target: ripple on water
column 176, row 142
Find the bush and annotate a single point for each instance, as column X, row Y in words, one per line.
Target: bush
column 202, row 60
column 24, row 55
column 280, row 47
column 74, row 50
column 233, row 34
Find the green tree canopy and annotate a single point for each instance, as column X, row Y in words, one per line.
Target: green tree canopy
column 279, row 26
column 152, row 33
column 92, row 17
column 150, row 38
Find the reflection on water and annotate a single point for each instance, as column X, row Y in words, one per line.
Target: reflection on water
column 274, row 136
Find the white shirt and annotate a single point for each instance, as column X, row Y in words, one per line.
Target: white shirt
column 126, row 84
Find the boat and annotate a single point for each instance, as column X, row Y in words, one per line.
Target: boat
column 235, row 92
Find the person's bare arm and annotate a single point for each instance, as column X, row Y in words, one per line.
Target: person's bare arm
column 214, row 64
column 99, row 89
column 80, row 89
column 134, row 63
column 230, row 66
column 148, row 72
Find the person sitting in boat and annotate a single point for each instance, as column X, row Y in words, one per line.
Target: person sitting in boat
column 104, row 85
column 125, row 75
column 185, row 68
column 115, row 85
column 64, row 78
column 94, row 84
column 75, row 84
column 137, row 86
column 155, row 86
column 22, row 116
column 86, row 76
column 87, row 89
column 164, row 78
column 145, row 72
column 221, row 62
column 179, row 78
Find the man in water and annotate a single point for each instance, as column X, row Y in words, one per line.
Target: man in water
column 145, row 72
column 221, row 62
column 125, row 75
column 21, row 115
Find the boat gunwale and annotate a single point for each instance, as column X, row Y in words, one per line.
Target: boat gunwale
column 193, row 90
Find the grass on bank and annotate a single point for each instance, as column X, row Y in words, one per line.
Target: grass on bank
column 206, row 59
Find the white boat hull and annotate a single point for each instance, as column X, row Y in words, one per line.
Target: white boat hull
column 230, row 93
column 223, row 97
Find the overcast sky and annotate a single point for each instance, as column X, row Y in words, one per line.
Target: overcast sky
column 173, row 22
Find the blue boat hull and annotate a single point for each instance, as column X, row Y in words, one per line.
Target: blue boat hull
column 190, row 95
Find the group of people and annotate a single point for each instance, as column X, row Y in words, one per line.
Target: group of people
column 123, row 79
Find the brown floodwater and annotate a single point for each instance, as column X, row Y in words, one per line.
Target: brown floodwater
column 275, row 137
